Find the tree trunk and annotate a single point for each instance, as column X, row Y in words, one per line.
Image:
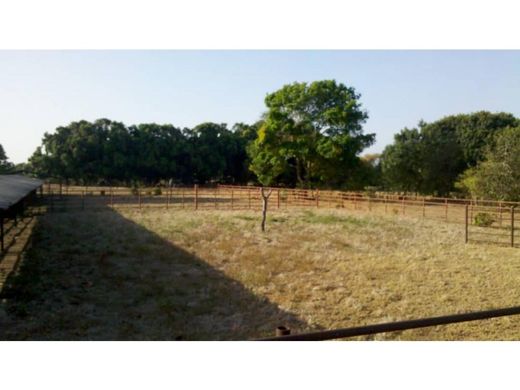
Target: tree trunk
column 265, row 198
column 299, row 173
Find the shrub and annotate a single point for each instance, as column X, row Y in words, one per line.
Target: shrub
column 484, row 219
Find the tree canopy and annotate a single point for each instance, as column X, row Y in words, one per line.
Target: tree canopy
column 312, row 134
column 498, row 175
column 106, row 150
column 431, row 157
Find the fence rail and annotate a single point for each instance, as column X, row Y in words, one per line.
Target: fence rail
column 485, row 220
column 394, row 326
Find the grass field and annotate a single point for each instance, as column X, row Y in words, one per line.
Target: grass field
column 211, row 275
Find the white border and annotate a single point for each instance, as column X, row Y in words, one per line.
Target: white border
column 256, row 365
column 267, row 24
column 259, row 24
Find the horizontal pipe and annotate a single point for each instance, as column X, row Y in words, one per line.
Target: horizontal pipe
column 397, row 326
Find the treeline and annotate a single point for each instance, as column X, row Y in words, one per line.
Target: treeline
column 444, row 156
column 311, row 135
column 106, row 151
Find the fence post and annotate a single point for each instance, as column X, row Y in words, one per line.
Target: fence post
column 249, row 197
column 231, row 199
column 215, row 194
column 317, row 198
column 168, row 197
column 139, row 195
column 278, row 199
column 386, row 203
column 512, row 226
column 423, row 208
column 111, row 197
column 403, row 204
column 282, row 331
column 466, row 224
column 196, row 199
column 500, row 213
column 446, row 211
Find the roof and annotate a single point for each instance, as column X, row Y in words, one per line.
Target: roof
column 14, row 188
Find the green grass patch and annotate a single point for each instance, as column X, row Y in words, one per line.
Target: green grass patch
column 330, row 219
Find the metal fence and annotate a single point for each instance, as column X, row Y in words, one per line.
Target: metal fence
column 491, row 225
column 284, row 334
column 485, row 221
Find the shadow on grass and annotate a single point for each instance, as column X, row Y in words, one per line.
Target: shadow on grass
column 100, row 276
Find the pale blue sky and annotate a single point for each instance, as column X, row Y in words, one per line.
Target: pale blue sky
column 40, row 90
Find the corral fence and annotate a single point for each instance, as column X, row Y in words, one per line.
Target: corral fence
column 493, row 225
column 485, row 220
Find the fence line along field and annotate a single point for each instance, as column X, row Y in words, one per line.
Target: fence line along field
column 488, row 221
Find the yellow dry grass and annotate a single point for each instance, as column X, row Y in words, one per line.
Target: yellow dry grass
column 214, row 275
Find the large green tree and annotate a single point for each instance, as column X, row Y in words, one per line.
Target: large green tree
column 313, row 132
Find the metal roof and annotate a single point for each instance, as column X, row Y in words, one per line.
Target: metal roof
column 13, row 188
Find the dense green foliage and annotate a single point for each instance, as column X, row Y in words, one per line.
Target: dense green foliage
column 483, row 219
column 430, row 158
column 312, row 135
column 108, row 151
column 498, row 175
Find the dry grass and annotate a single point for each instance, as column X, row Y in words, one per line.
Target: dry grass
column 212, row 275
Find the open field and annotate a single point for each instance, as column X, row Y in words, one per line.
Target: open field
column 135, row 274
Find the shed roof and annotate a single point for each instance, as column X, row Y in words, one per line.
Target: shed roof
column 14, row 188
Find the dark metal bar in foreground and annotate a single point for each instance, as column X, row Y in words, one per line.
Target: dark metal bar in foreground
column 397, row 326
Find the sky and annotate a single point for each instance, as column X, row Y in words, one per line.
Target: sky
column 41, row 90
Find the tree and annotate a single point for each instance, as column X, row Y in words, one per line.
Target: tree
column 476, row 132
column 5, row 165
column 311, row 131
column 442, row 157
column 210, row 144
column 498, row 176
column 239, row 162
column 401, row 162
column 158, row 151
